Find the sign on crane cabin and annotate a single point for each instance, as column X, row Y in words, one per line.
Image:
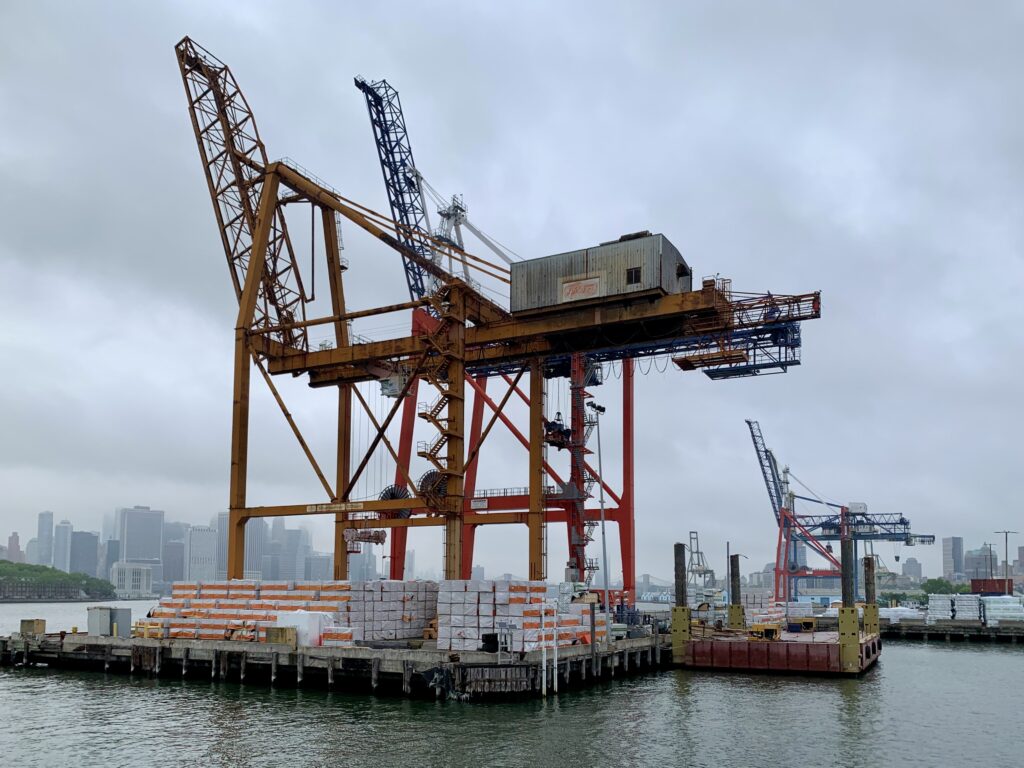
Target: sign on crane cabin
column 641, row 265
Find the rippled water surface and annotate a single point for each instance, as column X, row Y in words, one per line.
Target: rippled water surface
column 924, row 704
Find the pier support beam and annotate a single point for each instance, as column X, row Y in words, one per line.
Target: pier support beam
column 681, row 611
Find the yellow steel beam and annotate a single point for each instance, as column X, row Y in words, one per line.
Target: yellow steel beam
column 487, row 342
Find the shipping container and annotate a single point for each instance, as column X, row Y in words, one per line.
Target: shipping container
column 992, row 586
column 633, row 266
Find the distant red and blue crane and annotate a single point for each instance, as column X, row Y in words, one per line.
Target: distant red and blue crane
column 817, row 530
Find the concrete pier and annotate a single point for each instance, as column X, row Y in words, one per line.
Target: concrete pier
column 414, row 672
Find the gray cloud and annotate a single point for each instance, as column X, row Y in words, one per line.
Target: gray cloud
column 869, row 151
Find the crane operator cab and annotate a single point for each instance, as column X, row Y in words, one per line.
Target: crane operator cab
column 556, row 433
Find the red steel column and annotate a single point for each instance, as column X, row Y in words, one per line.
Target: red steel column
column 627, row 526
column 475, row 428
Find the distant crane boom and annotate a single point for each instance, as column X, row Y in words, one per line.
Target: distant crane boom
column 769, row 469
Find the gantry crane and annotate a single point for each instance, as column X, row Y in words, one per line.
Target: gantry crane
column 815, row 531
column 461, row 338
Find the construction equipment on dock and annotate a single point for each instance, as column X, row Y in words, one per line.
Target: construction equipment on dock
column 798, row 531
column 461, row 338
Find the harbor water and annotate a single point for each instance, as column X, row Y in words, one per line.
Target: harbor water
column 924, row 704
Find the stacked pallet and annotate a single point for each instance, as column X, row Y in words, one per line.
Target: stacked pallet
column 525, row 613
column 1000, row 608
column 776, row 613
column 392, row 610
column 342, row 612
column 953, row 608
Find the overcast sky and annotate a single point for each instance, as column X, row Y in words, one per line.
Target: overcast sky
column 869, row 151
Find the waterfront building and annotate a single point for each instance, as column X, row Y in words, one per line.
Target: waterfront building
column 953, row 558
column 44, row 535
column 14, row 553
column 981, row 563
column 62, row 546
column 201, row 553
column 85, row 553
column 912, row 568
column 132, row 581
column 141, row 533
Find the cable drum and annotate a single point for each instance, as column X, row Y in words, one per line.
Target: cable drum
column 393, row 492
column 433, row 483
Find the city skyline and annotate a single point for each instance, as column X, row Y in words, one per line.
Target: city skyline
column 299, row 540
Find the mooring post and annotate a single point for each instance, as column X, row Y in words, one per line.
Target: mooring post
column 736, row 618
column 213, row 665
column 106, row 656
column 871, row 623
column 273, row 667
column 374, row 672
column 241, row 666
column 184, row 661
column 330, row 671
column 406, row 677
column 849, row 626
column 681, row 611
column 300, row 666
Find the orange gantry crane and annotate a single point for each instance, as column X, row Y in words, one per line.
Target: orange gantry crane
column 460, row 339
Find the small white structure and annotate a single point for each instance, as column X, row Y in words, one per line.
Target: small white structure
column 132, row 581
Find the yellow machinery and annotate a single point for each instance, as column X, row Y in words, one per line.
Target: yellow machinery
column 765, row 631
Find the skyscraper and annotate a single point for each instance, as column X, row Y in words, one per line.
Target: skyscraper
column 110, row 553
column 32, row 552
column 952, row 557
column 173, row 560
column 222, row 545
column 201, row 553
column 141, row 533
column 44, row 535
column 62, row 546
column 362, row 566
column 85, row 552
column 256, row 532
column 14, row 553
column 293, row 556
column 798, row 554
column 410, row 564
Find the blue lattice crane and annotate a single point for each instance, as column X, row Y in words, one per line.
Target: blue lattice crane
column 402, row 180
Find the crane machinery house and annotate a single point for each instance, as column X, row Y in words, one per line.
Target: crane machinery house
column 634, row 266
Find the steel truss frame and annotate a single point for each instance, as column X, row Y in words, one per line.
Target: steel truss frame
column 459, row 339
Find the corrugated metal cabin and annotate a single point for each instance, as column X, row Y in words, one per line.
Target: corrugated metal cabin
column 633, row 267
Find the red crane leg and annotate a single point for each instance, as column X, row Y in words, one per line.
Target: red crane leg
column 400, row 536
column 475, row 428
column 627, row 526
column 421, row 323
